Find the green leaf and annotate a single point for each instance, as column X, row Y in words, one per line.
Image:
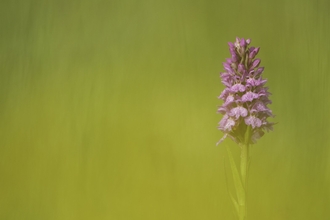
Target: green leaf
column 235, row 203
column 237, row 180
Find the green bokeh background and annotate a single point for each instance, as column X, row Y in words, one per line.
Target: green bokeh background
column 108, row 109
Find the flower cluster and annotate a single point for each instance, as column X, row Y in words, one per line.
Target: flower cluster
column 245, row 96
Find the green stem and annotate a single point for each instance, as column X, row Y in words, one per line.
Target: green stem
column 244, row 161
column 244, row 171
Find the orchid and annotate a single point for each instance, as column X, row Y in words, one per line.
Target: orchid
column 245, row 95
column 245, row 111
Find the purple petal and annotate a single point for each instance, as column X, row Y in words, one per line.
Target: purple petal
column 234, row 57
column 226, row 76
column 259, row 71
column 249, row 96
column 227, row 83
column 253, row 121
column 255, row 63
column 228, row 67
column 223, row 109
column 237, row 88
column 251, row 81
column 226, row 123
column 251, row 73
column 243, row 43
column 256, row 82
column 230, row 123
column 241, row 68
column 238, row 111
column 263, row 92
column 265, row 100
column 261, row 82
column 232, row 51
column 223, row 121
column 228, row 60
column 254, row 53
column 267, row 113
column 231, row 45
column 259, row 107
column 224, row 94
column 229, row 99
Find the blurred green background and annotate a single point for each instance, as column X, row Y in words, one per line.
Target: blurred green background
column 108, row 109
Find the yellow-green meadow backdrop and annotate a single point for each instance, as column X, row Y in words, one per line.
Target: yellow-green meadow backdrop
column 108, row 109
